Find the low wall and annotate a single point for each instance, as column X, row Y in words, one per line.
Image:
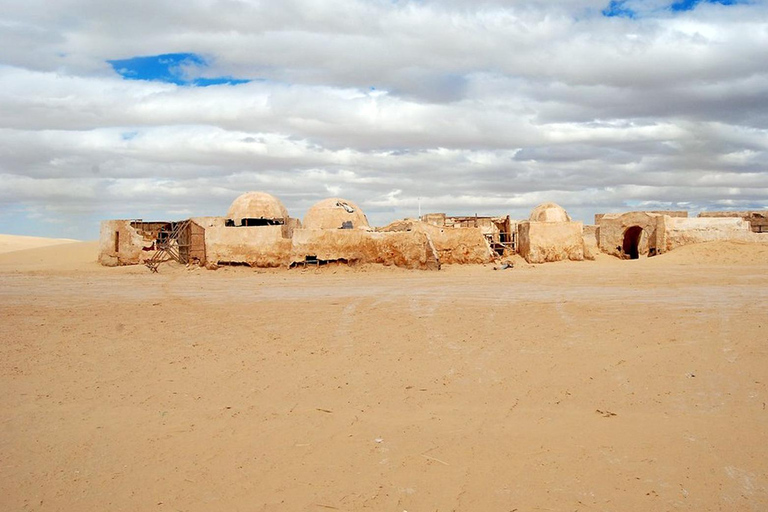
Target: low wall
column 459, row 245
column 679, row 232
column 410, row 249
column 451, row 244
column 258, row 246
column 540, row 242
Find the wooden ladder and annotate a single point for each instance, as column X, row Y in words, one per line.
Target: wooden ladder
column 170, row 247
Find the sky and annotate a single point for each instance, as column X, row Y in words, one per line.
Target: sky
column 163, row 110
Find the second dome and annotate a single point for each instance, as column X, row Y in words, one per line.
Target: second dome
column 335, row 213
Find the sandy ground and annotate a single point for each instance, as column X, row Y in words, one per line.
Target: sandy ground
column 607, row 385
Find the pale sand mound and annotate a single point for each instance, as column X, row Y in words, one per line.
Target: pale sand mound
column 9, row 243
column 65, row 256
column 741, row 253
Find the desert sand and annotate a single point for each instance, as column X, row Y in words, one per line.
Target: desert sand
column 606, row 385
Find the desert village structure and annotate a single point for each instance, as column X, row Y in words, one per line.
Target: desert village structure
column 258, row 231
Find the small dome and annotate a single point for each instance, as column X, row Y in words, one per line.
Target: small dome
column 335, row 213
column 256, row 205
column 549, row 212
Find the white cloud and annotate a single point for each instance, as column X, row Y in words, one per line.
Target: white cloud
column 474, row 107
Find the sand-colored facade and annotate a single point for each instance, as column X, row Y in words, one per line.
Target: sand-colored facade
column 549, row 234
column 404, row 249
column 258, row 231
column 542, row 242
column 686, row 231
column 634, row 234
column 758, row 219
column 463, row 245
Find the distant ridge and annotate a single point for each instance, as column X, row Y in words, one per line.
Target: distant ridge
column 11, row 243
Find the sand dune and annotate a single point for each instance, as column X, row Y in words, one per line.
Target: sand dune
column 10, row 243
column 62, row 256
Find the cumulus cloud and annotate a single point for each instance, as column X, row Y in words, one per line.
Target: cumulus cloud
column 465, row 107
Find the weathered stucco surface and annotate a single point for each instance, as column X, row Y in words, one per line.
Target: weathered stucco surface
column 451, row 244
column 680, row 231
column 258, row 246
column 256, row 205
column 121, row 244
column 613, row 226
column 408, row 249
column 333, row 213
column 590, row 235
column 459, row 245
column 540, row 242
column 549, row 212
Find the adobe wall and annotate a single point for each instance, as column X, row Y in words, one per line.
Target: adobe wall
column 720, row 214
column 590, row 234
column 459, row 245
column 410, row 249
column 670, row 213
column 540, row 242
column 121, row 244
column 758, row 219
column 612, row 227
column 452, row 244
column 257, row 246
column 679, row 232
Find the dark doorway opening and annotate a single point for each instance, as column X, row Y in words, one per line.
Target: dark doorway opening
column 254, row 222
column 631, row 245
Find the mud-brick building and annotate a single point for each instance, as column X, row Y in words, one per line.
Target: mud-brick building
column 631, row 235
column 258, row 231
column 549, row 234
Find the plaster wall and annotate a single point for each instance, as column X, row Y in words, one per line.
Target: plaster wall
column 681, row 231
column 540, row 242
column 451, row 244
column 258, row 246
column 121, row 244
column 459, row 245
column 613, row 226
column 590, row 234
column 404, row 248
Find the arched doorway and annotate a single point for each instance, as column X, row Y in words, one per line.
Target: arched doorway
column 631, row 245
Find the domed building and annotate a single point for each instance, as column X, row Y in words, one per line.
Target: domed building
column 256, row 209
column 549, row 212
column 335, row 213
column 549, row 234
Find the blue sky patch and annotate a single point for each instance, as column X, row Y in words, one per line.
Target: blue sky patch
column 617, row 8
column 687, row 5
column 173, row 68
column 624, row 8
